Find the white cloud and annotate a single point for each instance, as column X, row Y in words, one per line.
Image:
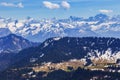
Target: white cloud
column 19, row 5
column 51, row 5
column 105, row 11
column 65, row 4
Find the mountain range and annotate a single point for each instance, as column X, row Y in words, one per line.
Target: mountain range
column 100, row 25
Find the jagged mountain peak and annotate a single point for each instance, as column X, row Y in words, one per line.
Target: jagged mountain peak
column 101, row 15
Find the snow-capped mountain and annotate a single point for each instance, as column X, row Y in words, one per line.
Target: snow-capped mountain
column 39, row 30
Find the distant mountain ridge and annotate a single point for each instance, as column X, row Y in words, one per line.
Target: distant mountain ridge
column 100, row 25
column 13, row 44
column 10, row 45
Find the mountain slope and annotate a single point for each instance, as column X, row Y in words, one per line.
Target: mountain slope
column 67, row 48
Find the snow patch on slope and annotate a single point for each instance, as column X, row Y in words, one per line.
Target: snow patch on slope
column 57, row 38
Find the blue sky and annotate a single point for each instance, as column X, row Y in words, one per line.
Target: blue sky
column 19, row 9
